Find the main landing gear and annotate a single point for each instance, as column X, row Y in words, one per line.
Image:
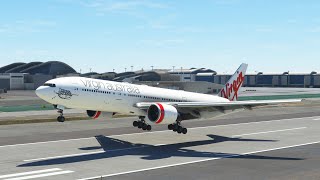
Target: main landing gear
column 142, row 124
column 60, row 118
column 176, row 127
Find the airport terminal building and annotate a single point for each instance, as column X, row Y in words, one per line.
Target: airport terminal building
column 29, row 76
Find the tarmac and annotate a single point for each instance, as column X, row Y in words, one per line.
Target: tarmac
column 265, row 143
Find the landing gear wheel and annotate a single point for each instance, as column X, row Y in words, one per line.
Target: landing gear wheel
column 184, row 130
column 176, row 127
column 61, row 119
column 142, row 124
column 135, row 123
column 179, row 130
column 144, row 127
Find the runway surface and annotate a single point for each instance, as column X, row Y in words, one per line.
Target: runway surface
column 269, row 143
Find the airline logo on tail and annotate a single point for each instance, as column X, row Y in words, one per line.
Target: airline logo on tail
column 231, row 89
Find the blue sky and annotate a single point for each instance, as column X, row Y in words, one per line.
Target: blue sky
column 272, row 36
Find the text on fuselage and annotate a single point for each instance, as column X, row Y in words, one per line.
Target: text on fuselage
column 98, row 85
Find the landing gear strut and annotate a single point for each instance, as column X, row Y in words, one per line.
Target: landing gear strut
column 176, row 127
column 142, row 124
column 60, row 118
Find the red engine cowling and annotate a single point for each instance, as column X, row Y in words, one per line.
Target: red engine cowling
column 98, row 114
column 93, row 114
column 162, row 113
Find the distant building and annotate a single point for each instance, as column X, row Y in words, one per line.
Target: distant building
column 190, row 74
column 311, row 80
column 22, row 67
column 23, row 76
column 10, row 66
column 52, row 68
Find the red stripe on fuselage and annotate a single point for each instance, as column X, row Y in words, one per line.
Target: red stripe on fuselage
column 97, row 115
column 161, row 114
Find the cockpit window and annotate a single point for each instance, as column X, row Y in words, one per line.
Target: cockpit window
column 49, row 84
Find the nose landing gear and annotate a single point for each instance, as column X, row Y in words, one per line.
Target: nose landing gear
column 142, row 124
column 60, row 118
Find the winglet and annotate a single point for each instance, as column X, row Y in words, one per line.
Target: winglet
column 231, row 89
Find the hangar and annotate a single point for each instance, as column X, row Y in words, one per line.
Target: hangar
column 24, row 76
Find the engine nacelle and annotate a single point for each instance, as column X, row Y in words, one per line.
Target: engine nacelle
column 97, row 114
column 162, row 113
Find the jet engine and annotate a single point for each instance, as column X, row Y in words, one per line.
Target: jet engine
column 162, row 113
column 97, row 114
column 93, row 114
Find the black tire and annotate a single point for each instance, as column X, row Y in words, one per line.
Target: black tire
column 140, row 124
column 170, row 126
column 61, row 119
column 149, row 127
column 179, row 130
column 135, row 123
column 175, row 127
column 144, row 127
column 184, row 130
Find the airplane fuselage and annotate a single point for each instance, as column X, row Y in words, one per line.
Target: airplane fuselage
column 110, row 96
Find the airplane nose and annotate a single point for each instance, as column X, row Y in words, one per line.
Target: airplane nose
column 41, row 91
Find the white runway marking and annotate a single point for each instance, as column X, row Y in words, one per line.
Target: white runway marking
column 198, row 161
column 318, row 119
column 29, row 173
column 34, row 174
column 41, row 175
column 140, row 147
column 66, row 140
column 45, row 142
column 266, row 132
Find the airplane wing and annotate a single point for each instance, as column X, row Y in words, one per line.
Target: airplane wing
column 225, row 105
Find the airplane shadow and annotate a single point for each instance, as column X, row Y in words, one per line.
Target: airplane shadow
column 115, row 148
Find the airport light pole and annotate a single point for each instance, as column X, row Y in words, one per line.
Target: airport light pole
column 125, row 69
column 173, row 68
column 152, row 68
column 132, row 68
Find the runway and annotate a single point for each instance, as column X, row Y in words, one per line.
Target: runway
column 269, row 143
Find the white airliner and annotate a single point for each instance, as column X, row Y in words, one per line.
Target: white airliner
column 152, row 105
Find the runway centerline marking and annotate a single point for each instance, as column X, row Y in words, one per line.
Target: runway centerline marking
column 266, row 132
column 140, row 147
column 318, row 119
column 198, row 161
column 119, row 135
